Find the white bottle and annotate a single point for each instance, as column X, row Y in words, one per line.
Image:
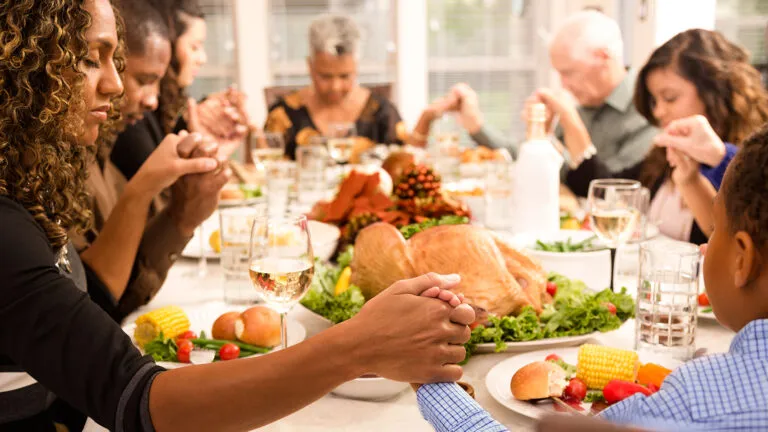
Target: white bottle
column 536, row 191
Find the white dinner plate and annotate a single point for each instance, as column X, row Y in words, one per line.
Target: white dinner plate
column 202, row 317
column 499, row 377
column 520, row 347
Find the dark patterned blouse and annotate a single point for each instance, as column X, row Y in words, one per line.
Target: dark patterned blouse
column 379, row 123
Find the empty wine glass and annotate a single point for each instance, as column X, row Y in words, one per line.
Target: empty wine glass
column 341, row 141
column 615, row 207
column 281, row 263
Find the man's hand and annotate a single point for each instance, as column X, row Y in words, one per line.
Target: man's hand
column 167, row 163
column 195, row 197
column 408, row 337
column 469, row 115
column 693, row 137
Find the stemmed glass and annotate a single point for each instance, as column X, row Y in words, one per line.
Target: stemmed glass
column 267, row 147
column 341, row 141
column 615, row 209
column 281, row 263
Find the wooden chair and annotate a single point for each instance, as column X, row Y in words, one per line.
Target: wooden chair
column 272, row 94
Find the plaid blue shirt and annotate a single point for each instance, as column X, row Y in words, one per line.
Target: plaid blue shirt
column 723, row 392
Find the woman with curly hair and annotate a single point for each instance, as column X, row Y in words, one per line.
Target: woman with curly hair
column 222, row 116
column 59, row 80
column 700, row 88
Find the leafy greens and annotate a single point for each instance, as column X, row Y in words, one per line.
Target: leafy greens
column 321, row 297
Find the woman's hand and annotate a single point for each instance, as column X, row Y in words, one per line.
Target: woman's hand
column 694, row 137
column 469, row 115
column 684, row 169
column 220, row 120
column 169, row 162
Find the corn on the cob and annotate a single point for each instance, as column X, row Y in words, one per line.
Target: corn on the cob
column 599, row 364
column 170, row 320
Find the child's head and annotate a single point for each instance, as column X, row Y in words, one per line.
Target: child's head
column 736, row 281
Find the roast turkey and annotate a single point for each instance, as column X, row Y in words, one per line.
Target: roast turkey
column 494, row 276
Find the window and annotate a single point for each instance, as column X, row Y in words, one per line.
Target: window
column 221, row 70
column 745, row 22
column 491, row 45
column 290, row 21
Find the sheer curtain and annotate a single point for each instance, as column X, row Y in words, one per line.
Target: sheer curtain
column 745, row 22
column 221, row 69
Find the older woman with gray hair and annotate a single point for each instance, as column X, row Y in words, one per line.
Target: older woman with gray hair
column 334, row 95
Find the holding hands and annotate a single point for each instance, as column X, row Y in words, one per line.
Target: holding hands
column 415, row 330
column 689, row 142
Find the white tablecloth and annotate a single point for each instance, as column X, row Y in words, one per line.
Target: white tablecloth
column 332, row 413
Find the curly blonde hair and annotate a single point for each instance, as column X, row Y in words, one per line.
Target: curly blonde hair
column 729, row 86
column 42, row 167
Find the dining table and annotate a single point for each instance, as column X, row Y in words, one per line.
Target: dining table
column 401, row 413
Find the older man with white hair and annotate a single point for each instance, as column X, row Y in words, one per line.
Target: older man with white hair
column 586, row 51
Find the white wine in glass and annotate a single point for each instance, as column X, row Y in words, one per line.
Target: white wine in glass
column 615, row 207
column 281, row 263
column 267, row 147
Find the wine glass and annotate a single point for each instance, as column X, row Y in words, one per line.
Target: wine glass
column 341, row 141
column 281, row 263
column 267, row 147
column 615, row 207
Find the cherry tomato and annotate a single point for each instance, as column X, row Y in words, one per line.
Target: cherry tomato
column 611, row 307
column 474, row 325
column 553, row 357
column 576, row 389
column 585, row 225
column 551, row 288
column 229, row 351
column 703, row 299
column 184, row 348
column 189, row 334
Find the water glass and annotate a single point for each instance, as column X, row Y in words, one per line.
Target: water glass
column 235, row 229
column 281, row 176
column 341, row 141
column 311, row 162
column 499, row 205
column 267, row 147
column 667, row 304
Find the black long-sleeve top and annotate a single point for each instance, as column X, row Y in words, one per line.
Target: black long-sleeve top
column 51, row 330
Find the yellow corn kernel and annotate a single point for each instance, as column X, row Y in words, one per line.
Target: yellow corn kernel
column 599, row 364
column 170, row 320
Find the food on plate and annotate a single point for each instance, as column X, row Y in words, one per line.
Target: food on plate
column 570, row 223
column 703, row 299
column 224, row 326
column 397, row 162
column 360, row 203
column 229, row 351
column 567, row 246
column 215, row 241
column 617, row 390
column 184, row 349
column 259, row 326
column 707, row 310
column 342, row 284
column 598, row 364
column 483, row 154
column 575, row 390
column 495, row 276
column 189, row 334
column 231, row 193
column 322, row 298
column 409, row 231
column 538, row 380
column 239, row 192
column 171, row 321
column 652, row 374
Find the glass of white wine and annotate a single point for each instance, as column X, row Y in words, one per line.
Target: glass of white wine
column 341, row 141
column 281, row 263
column 615, row 207
column 267, row 147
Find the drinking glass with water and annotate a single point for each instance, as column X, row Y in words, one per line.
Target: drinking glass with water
column 235, row 224
column 667, row 299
